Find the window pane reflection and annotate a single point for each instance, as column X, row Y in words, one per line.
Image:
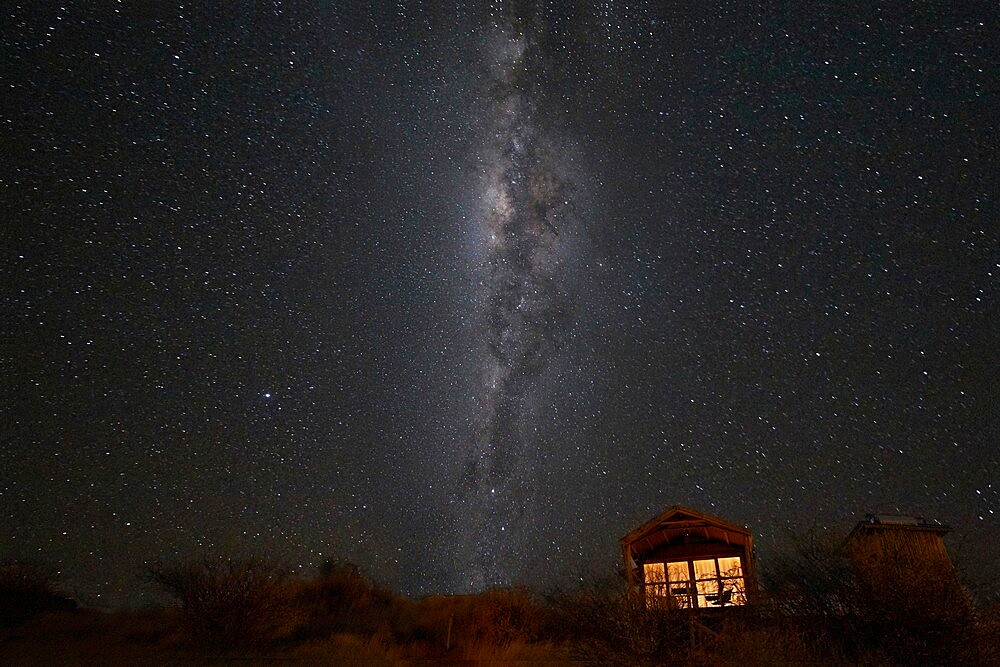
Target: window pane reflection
column 705, row 582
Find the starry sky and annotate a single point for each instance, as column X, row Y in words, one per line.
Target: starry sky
column 464, row 293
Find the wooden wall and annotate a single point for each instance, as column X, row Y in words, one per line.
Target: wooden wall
column 903, row 558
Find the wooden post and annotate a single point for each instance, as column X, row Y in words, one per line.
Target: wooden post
column 629, row 575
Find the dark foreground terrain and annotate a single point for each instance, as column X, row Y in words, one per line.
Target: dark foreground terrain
column 249, row 612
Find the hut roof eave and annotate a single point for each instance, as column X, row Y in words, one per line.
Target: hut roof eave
column 679, row 520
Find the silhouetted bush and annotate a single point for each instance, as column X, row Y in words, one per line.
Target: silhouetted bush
column 915, row 613
column 813, row 588
column 816, row 608
column 26, row 591
column 232, row 604
column 607, row 626
column 499, row 617
column 342, row 600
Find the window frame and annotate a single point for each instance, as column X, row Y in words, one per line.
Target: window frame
column 698, row 590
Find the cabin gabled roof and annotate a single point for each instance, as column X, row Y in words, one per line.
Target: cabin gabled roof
column 678, row 520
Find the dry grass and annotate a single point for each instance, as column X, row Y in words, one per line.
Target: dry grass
column 156, row 638
column 233, row 604
column 257, row 615
column 27, row 590
column 90, row 637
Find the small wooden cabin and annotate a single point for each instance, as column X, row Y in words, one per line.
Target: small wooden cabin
column 892, row 550
column 689, row 560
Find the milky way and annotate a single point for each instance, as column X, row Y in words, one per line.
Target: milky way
column 525, row 309
column 462, row 299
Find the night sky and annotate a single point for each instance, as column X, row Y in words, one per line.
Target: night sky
column 464, row 294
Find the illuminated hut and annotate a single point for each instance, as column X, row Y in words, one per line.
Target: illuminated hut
column 686, row 559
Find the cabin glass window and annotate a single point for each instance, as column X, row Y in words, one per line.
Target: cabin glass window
column 706, row 582
column 656, row 581
column 680, row 583
column 731, row 581
column 730, row 567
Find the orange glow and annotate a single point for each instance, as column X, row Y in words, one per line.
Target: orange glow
column 708, row 582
